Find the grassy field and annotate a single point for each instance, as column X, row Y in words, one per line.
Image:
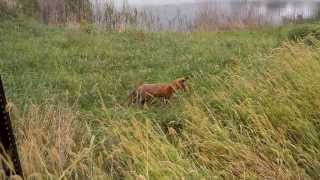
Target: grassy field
column 252, row 111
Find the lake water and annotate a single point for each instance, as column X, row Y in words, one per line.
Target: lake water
column 184, row 15
column 230, row 11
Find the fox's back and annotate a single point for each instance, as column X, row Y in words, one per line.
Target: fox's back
column 154, row 89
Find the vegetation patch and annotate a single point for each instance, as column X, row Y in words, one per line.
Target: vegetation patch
column 252, row 110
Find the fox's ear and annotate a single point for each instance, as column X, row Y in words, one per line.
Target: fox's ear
column 186, row 78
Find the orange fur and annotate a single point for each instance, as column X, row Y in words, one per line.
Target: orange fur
column 146, row 92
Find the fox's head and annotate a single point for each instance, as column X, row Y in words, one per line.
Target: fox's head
column 179, row 83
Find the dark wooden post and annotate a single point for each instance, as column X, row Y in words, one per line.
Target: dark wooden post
column 8, row 148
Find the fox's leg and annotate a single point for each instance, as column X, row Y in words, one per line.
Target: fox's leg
column 142, row 98
column 143, row 102
column 147, row 99
column 166, row 100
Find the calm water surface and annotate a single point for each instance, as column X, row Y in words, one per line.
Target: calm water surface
column 272, row 12
column 183, row 14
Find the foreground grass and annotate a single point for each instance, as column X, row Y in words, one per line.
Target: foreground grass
column 251, row 112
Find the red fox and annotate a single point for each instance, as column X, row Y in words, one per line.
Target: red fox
column 146, row 92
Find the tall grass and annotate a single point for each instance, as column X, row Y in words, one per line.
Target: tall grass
column 210, row 17
column 251, row 112
column 55, row 12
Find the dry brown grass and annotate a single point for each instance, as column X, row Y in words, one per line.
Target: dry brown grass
column 54, row 143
